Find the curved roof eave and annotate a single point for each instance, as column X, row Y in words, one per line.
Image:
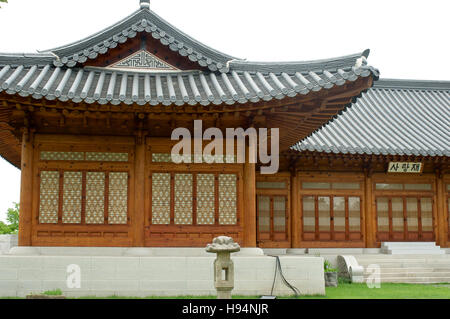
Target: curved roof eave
column 330, row 64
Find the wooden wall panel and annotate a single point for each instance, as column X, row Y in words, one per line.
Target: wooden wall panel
column 101, row 233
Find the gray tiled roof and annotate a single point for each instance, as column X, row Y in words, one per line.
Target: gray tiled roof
column 56, row 73
column 36, row 76
column 395, row 117
column 143, row 20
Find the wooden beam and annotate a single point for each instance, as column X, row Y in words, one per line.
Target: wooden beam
column 295, row 214
column 138, row 219
column 369, row 210
column 249, row 199
column 26, row 189
column 442, row 230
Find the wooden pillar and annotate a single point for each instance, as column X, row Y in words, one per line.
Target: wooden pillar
column 249, row 202
column 369, row 208
column 295, row 216
column 26, row 189
column 441, row 234
column 139, row 191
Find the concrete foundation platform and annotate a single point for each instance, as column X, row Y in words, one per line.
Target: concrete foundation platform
column 7, row 242
column 141, row 272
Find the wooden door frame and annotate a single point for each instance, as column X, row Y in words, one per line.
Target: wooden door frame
column 272, row 243
column 100, row 235
column 384, row 178
column 284, row 177
column 188, row 235
column 330, row 177
column 446, row 207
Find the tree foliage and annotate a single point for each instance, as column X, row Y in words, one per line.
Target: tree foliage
column 12, row 219
column 6, row 1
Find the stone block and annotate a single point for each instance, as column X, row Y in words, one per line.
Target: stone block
column 8, row 274
column 113, row 285
column 159, row 285
column 30, row 284
column 154, row 276
column 30, row 273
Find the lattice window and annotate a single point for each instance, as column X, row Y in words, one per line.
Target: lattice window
column 279, row 214
column 206, row 199
column 309, row 214
column 161, row 158
column 118, row 198
column 49, row 197
column 331, row 217
column 106, row 157
column 95, row 197
column 72, row 194
column 404, row 211
column 62, row 156
column 271, row 185
column 227, row 199
column 84, row 156
column 264, row 212
column 175, row 199
column 167, row 158
column 183, row 199
column 161, row 198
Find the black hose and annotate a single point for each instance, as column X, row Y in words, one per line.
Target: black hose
column 280, row 270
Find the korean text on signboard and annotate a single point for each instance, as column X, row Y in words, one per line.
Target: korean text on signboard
column 404, row 167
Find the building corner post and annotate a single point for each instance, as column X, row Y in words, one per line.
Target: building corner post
column 294, row 211
column 249, row 202
column 369, row 208
column 138, row 217
column 441, row 230
column 26, row 188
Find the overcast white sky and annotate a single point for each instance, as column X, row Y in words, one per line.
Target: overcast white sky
column 408, row 39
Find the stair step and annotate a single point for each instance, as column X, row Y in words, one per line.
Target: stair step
column 413, row 252
column 414, row 269
column 411, row 274
column 411, row 248
column 402, row 243
column 418, row 280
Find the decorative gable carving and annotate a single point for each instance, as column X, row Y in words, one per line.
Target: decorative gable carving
column 143, row 60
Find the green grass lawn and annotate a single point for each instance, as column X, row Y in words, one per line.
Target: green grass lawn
column 355, row 291
column 343, row 291
column 387, row 291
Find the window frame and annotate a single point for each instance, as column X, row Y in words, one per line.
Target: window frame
column 194, row 173
column 317, row 237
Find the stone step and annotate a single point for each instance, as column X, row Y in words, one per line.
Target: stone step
column 414, row 270
column 411, row 248
column 405, row 266
column 412, row 251
column 411, row 274
column 406, row 258
column 408, row 244
column 416, row 256
column 418, row 280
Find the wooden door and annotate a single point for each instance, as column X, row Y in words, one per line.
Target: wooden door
column 404, row 218
column 331, row 218
column 272, row 221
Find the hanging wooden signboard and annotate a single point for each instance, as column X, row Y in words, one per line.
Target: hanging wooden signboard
column 405, row 167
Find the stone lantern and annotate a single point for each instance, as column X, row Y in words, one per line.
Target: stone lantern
column 223, row 265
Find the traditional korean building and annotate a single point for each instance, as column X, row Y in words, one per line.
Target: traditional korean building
column 89, row 125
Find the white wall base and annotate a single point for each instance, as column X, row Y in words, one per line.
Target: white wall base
column 7, row 242
column 138, row 276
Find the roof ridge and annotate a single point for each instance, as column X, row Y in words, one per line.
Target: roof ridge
column 142, row 20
